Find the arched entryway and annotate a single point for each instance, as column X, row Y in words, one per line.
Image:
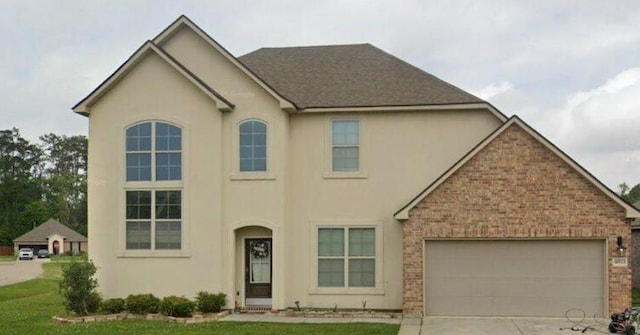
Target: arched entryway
column 254, row 246
column 56, row 247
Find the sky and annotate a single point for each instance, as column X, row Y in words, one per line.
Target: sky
column 571, row 69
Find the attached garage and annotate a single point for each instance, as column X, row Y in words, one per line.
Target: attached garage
column 514, row 278
column 516, row 228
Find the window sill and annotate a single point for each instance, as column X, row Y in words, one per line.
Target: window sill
column 154, row 254
column 345, row 175
column 252, row 176
column 345, row 291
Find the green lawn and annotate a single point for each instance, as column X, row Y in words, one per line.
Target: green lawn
column 27, row 308
column 7, row 258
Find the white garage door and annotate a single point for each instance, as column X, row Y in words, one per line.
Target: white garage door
column 514, row 278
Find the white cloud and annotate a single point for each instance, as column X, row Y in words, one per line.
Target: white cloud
column 492, row 90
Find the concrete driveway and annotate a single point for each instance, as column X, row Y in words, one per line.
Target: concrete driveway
column 503, row 326
column 19, row 271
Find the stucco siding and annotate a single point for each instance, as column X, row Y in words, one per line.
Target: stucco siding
column 153, row 90
column 400, row 152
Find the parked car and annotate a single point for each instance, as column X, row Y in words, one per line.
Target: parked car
column 25, row 253
column 43, row 253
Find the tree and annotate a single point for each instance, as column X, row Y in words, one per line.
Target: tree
column 20, row 171
column 630, row 195
column 65, row 182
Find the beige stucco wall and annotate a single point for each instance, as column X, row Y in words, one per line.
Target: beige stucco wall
column 402, row 152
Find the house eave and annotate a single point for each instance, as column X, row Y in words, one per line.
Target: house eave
column 183, row 20
column 399, row 108
column 84, row 106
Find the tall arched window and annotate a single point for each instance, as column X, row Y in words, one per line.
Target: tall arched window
column 153, row 213
column 253, row 146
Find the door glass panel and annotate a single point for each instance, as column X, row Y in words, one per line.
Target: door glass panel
column 260, row 261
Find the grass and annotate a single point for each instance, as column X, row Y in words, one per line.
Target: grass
column 635, row 298
column 7, row 258
column 27, row 308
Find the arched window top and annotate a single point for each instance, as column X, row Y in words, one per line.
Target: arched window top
column 154, row 152
column 253, row 146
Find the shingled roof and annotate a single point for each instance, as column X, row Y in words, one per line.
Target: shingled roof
column 356, row 75
column 52, row 226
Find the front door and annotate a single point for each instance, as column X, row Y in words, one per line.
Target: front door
column 258, row 271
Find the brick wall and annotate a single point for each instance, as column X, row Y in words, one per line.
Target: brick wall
column 514, row 188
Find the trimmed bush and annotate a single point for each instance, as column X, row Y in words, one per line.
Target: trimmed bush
column 78, row 288
column 179, row 307
column 93, row 303
column 113, row 306
column 209, row 302
column 142, row 303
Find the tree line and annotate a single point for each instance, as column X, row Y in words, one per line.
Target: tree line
column 41, row 180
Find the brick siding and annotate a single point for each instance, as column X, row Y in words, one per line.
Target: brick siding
column 514, row 188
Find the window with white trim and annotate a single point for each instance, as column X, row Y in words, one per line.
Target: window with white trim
column 153, row 219
column 253, row 146
column 346, row 257
column 153, row 152
column 345, row 145
column 153, row 188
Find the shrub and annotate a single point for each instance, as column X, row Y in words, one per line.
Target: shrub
column 179, row 307
column 78, row 288
column 112, row 306
column 209, row 302
column 142, row 303
column 94, row 302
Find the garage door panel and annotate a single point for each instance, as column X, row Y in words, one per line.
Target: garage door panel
column 514, row 278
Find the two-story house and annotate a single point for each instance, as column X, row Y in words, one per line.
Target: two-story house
column 333, row 176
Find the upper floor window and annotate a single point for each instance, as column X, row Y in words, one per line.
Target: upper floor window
column 253, row 146
column 154, row 152
column 345, row 145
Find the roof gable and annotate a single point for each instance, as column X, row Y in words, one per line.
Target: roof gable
column 51, row 227
column 184, row 21
column 356, row 75
column 83, row 107
column 631, row 212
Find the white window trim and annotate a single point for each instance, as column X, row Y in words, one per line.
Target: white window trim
column 361, row 173
column 377, row 289
column 236, row 174
column 181, row 185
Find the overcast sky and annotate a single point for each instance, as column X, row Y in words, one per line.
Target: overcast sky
column 571, row 69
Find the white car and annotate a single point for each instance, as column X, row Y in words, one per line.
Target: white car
column 25, row 253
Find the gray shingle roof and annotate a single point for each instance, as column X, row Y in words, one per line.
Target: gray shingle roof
column 43, row 231
column 356, row 75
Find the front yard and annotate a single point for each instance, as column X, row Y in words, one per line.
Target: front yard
column 27, row 308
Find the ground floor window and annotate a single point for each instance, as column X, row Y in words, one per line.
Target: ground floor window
column 346, row 257
column 154, row 219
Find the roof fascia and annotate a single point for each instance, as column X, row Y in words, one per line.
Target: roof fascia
column 83, row 107
column 183, row 20
column 466, row 106
column 403, row 213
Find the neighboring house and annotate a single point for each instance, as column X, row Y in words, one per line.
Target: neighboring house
column 54, row 237
column 299, row 174
column 635, row 251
